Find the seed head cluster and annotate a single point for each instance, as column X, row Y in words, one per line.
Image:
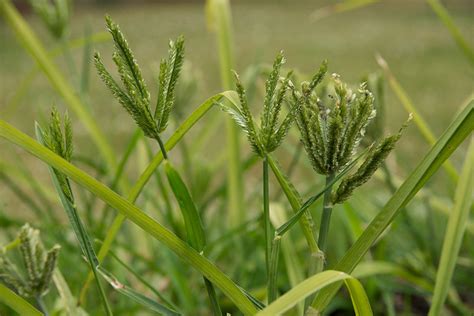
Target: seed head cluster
column 39, row 265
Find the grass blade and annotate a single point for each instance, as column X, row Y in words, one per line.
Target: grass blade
column 219, row 19
column 447, row 20
column 192, row 221
column 453, row 136
column 454, row 233
column 134, row 295
column 316, row 283
column 347, row 5
column 420, row 122
column 16, row 302
column 295, row 202
column 139, row 217
column 193, row 224
column 39, row 54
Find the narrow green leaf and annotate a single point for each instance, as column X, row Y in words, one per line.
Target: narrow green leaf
column 192, row 220
column 373, row 268
column 420, row 122
column 455, row 230
column 295, row 201
column 16, row 302
column 134, row 295
column 447, row 20
column 453, row 136
column 343, row 6
column 315, row 283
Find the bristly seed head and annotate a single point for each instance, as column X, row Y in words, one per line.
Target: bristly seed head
column 268, row 136
column 39, row 265
column 331, row 131
column 135, row 97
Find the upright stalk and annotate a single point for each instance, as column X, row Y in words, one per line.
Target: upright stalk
column 41, row 305
column 326, row 217
column 162, row 148
column 266, row 216
column 221, row 19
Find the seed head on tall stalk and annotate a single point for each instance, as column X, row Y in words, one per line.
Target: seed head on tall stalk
column 331, row 133
column 266, row 137
column 136, row 99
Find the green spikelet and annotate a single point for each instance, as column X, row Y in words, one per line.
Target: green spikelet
column 124, row 59
column 38, row 265
column 61, row 144
column 48, row 269
column 28, row 240
column 134, row 96
column 375, row 84
column 270, row 134
column 169, row 74
column 331, row 132
column 268, row 102
column 374, row 159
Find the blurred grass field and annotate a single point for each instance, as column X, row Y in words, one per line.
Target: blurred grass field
column 419, row 49
column 407, row 34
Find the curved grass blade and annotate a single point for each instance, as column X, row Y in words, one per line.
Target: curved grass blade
column 148, row 172
column 420, row 122
column 295, row 201
column 372, row 268
column 16, row 302
column 315, row 283
column 134, row 295
column 141, row 279
column 343, row 6
column 447, row 20
column 454, row 233
column 192, row 222
column 39, row 54
column 453, row 136
column 139, row 217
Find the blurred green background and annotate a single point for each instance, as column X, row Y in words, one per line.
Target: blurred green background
column 419, row 49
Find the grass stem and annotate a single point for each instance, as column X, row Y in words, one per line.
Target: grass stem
column 266, row 216
column 326, row 217
column 273, row 272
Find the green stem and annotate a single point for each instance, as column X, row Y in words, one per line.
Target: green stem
column 162, row 148
column 41, row 305
column 326, row 217
column 273, row 272
column 211, row 291
column 222, row 18
column 266, row 216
